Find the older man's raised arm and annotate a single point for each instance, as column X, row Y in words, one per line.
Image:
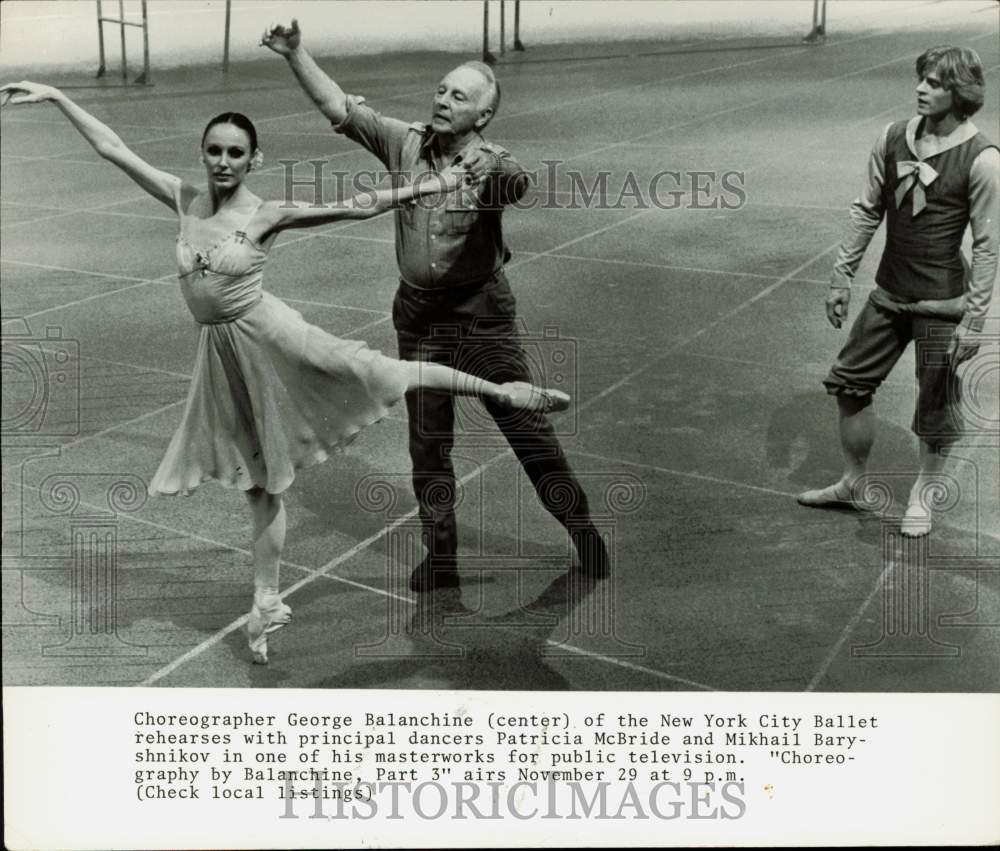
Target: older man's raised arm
column 324, row 92
column 381, row 135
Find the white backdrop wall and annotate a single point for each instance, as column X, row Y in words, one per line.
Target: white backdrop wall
column 62, row 34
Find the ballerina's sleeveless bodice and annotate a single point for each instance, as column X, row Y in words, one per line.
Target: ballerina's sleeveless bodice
column 223, row 282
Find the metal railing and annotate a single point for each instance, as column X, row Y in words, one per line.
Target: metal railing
column 488, row 56
column 817, row 35
column 143, row 78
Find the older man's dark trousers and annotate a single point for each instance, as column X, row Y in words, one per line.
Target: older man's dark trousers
column 473, row 329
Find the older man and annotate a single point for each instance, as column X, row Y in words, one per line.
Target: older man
column 930, row 177
column 454, row 304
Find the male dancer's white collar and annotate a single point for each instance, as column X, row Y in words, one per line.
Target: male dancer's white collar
column 965, row 131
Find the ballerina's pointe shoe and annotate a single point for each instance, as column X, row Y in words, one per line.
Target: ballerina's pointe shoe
column 522, row 396
column 268, row 615
column 916, row 521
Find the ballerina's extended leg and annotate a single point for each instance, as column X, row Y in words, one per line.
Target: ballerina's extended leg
column 516, row 395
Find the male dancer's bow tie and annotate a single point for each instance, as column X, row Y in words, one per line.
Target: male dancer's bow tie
column 914, row 175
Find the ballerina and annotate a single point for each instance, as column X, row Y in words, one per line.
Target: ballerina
column 270, row 393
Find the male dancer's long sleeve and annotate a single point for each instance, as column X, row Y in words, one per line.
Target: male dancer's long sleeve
column 984, row 220
column 866, row 215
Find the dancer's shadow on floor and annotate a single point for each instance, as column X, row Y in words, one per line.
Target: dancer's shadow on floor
column 444, row 644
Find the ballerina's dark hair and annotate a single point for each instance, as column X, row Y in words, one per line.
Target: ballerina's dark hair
column 237, row 119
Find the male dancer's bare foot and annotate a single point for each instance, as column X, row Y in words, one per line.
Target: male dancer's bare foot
column 916, row 520
column 929, row 491
column 837, row 495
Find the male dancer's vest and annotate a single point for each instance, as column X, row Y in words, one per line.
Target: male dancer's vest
column 922, row 257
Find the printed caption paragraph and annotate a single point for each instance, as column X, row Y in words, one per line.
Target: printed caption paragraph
column 348, row 758
column 301, row 768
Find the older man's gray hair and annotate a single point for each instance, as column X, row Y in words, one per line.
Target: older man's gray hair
column 492, row 98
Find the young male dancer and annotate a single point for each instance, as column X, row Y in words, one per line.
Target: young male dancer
column 929, row 177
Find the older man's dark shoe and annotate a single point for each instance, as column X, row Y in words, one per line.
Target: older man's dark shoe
column 428, row 577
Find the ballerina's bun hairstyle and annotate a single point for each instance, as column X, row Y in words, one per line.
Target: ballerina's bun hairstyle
column 237, row 119
column 961, row 72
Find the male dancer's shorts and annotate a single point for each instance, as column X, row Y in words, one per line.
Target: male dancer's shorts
column 878, row 338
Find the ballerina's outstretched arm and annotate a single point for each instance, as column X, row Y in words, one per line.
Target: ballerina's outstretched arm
column 108, row 144
column 276, row 216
